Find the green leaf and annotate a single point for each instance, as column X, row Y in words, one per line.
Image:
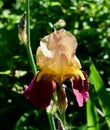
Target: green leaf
column 104, row 97
column 92, row 115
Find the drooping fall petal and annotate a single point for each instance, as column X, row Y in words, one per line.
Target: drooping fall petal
column 80, row 88
column 40, row 93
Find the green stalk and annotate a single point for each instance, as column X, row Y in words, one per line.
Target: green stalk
column 28, row 46
column 51, row 121
column 31, row 59
column 28, row 21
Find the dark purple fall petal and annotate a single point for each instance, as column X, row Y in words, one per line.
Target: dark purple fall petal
column 40, row 93
column 80, row 88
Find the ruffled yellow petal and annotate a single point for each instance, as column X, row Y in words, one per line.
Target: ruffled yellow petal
column 56, row 56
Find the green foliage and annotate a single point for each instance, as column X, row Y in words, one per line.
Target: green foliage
column 89, row 21
column 92, row 115
column 101, row 92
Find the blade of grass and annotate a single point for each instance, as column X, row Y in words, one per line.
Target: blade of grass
column 104, row 97
column 92, row 115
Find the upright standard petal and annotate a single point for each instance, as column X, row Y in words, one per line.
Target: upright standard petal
column 80, row 88
column 40, row 93
column 56, row 55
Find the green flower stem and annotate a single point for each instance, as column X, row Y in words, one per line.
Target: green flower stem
column 31, row 59
column 28, row 21
column 51, row 121
column 28, row 46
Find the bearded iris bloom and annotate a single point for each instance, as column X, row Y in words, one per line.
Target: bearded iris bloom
column 57, row 61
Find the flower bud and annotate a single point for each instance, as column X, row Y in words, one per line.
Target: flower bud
column 22, row 30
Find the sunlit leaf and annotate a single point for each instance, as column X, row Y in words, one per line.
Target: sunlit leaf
column 103, row 96
column 92, row 115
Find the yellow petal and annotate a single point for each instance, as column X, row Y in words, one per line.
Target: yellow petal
column 56, row 55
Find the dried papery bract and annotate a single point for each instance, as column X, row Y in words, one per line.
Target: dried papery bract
column 62, row 99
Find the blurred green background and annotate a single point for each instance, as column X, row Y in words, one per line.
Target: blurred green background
column 89, row 21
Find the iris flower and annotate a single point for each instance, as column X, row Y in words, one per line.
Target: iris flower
column 57, row 61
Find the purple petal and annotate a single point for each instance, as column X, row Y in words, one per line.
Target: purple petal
column 79, row 97
column 80, row 88
column 85, row 95
column 40, row 93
